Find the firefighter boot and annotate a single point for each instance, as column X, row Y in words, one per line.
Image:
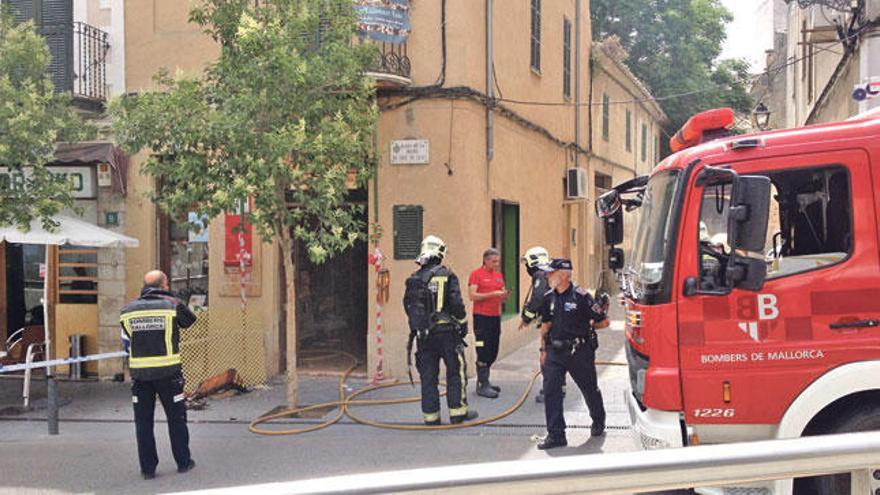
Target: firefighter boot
column 494, row 387
column 469, row 416
column 483, row 388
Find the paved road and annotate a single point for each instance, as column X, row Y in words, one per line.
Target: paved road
column 95, row 452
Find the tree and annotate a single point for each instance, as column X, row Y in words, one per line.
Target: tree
column 285, row 116
column 33, row 118
column 673, row 48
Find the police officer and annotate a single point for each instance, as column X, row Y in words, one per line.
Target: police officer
column 151, row 334
column 535, row 259
column 571, row 317
column 438, row 322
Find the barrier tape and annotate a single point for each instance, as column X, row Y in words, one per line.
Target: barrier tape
column 59, row 362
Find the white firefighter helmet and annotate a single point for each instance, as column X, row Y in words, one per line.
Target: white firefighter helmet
column 704, row 232
column 432, row 247
column 536, row 256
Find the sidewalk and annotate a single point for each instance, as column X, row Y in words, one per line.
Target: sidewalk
column 102, row 401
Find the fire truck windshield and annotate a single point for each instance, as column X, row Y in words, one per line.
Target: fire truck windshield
column 644, row 272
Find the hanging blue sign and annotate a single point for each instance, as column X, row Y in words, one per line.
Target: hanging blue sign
column 384, row 20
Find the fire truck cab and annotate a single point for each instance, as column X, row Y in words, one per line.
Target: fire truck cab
column 752, row 291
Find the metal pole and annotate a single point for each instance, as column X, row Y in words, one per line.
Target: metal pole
column 51, row 386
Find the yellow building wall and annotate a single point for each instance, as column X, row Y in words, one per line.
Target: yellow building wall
column 527, row 168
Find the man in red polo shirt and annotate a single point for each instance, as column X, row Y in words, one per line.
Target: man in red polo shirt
column 487, row 291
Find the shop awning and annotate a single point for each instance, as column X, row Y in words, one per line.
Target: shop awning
column 70, row 231
column 92, row 152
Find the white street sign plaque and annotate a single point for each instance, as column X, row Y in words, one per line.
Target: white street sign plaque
column 410, row 152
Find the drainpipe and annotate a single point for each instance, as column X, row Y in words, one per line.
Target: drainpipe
column 577, row 81
column 582, row 207
column 869, row 53
column 490, row 90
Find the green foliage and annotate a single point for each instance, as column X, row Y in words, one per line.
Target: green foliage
column 673, row 48
column 33, row 118
column 282, row 116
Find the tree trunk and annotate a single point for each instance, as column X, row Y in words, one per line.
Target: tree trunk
column 289, row 280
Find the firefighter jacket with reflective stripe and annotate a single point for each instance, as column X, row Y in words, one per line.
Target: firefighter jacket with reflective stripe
column 433, row 299
column 538, row 292
column 151, row 324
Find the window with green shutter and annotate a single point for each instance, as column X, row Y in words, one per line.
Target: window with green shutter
column 629, row 137
column 54, row 20
column 408, row 223
column 606, row 117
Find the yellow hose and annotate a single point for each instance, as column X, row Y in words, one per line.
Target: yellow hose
column 345, row 403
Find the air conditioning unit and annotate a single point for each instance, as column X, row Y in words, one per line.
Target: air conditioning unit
column 576, row 183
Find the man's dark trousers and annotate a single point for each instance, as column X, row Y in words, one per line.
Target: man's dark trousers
column 444, row 345
column 582, row 368
column 170, row 392
column 487, row 335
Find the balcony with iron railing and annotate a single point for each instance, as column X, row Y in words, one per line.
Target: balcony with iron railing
column 79, row 62
column 87, row 72
column 391, row 65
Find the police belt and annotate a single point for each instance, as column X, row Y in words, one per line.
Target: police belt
column 567, row 344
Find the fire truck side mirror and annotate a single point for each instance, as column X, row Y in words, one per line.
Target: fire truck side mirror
column 749, row 213
column 747, row 232
column 615, row 258
column 614, row 228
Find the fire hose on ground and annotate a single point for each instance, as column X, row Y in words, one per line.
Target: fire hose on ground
column 347, row 402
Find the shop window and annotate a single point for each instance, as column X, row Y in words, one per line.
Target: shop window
column 505, row 236
column 184, row 258
column 77, row 275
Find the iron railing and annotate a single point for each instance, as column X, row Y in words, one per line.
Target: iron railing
column 630, row 472
column 392, row 59
column 88, row 69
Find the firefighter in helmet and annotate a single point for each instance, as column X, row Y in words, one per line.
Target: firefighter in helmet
column 438, row 323
column 536, row 259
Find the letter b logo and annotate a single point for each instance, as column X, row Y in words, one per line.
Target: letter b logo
column 767, row 307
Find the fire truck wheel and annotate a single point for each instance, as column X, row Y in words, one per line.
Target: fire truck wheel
column 865, row 418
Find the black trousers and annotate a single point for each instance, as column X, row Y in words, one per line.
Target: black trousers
column 487, row 336
column 445, row 345
column 170, row 392
column 582, row 367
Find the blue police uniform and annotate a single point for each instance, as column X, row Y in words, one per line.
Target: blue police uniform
column 570, row 347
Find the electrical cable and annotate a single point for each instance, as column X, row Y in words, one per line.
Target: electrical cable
column 346, row 402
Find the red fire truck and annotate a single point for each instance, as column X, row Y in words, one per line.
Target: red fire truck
column 752, row 291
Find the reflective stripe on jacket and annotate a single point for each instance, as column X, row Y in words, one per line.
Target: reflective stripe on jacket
column 152, row 324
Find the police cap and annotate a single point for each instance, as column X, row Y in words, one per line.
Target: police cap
column 558, row 264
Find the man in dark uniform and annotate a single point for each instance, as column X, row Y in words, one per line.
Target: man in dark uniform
column 570, row 341
column 438, row 321
column 151, row 334
column 535, row 259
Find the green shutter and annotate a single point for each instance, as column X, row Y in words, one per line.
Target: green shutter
column 22, row 10
column 56, row 25
column 510, row 257
column 408, row 224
